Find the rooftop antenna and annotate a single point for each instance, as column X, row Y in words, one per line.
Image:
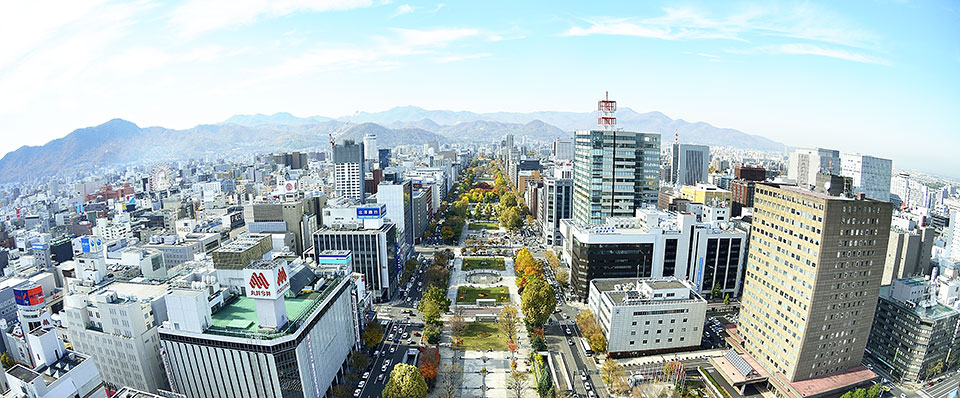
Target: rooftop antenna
column 607, row 109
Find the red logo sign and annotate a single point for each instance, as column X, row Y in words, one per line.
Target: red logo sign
column 257, row 281
column 281, row 276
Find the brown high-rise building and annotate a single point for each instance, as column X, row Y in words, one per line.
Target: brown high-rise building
column 750, row 173
column 813, row 275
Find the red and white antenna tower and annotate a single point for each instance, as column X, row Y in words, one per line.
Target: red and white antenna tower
column 607, row 109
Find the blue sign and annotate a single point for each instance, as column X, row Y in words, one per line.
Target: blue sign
column 365, row 213
column 85, row 245
column 39, row 246
column 699, row 278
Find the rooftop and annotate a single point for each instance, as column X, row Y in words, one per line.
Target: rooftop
column 934, row 312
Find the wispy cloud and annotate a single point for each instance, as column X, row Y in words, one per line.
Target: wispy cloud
column 198, row 16
column 812, row 49
column 748, row 25
column 403, row 9
column 461, row 57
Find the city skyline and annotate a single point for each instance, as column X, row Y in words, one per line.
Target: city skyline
column 856, row 76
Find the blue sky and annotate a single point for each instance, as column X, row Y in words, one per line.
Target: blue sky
column 878, row 77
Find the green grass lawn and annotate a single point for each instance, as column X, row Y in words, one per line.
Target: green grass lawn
column 469, row 295
column 472, row 263
column 483, row 336
column 479, row 225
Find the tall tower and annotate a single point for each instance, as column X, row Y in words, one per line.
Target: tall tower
column 370, row 147
column 813, row 276
column 614, row 171
column 349, row 170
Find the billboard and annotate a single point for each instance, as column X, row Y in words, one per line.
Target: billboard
column 369, row 213
column 266, row 282
column 90, row 244
column 29, row 296
column 39, row 247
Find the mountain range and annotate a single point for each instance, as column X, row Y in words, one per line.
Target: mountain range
column 119, row 142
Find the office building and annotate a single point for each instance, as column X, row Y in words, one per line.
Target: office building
column 813, row 277
column 614, row 173
column 705, row 194
column 292, row 216
column 914, row 337
column 741, row 196
column 655, row 244
column 293, row 160
column 806, row 163
column 952, row 232
column 349, row 170
column 373, row 242
column 116, row 325
column 288, row 335
column 59, row 372
column 370, row 147
column 908, row 250
column 648, row 315
column 398, row 198
column 750, row 173
column 907, row 192
column 555, row 200
column 689, row 164
column 562, row 150
column 383, row 156
column 871, row 175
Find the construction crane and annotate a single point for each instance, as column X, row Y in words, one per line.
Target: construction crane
column 341, row 129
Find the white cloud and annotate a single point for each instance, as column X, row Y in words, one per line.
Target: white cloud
column 810, row 49
column 198, row 16
column 403, row 9
column 462, row 57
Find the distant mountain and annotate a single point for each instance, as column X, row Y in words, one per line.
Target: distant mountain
column 276, row 118
column 389, row 138
column 425, row 124
column 119, row 142
column 486, row 130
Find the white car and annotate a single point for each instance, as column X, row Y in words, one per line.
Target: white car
column 357, row 392
column 361, row 383
column 366, row 375
column 393, row 349
column 385, row 365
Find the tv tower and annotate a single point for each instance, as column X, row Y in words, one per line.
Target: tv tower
column 607, row 109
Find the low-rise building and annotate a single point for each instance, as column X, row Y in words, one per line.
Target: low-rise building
column 647, row 315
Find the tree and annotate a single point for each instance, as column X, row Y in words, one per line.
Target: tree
column 432, row 333
column 458, row 324
column 341, row 391
column 409, row 267
column 612, row 372
column 507, row 321
column 874, row 391
column 517, row 384
column 715, row 292
column 7, row 360
column 563, row 277
column 405, row 382
column 587, row 322
column 359, row 360
column 508, row 200
column 437, row 295
column 545, row 385
column 450, row 381
column 726, row 299
column 429, row 365
column 373, row 335
column 537, row 343
column 598, row 343
column 537, row 302
column 430, row 311
column 446, row 232
column 511, row 218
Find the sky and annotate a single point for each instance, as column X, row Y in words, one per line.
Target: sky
column 876, row 77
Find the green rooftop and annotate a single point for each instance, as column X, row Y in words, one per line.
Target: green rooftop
column 238, row 317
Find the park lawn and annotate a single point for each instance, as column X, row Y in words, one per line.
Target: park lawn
column 469, row 295
column 480, row 225
column 472, row 263
column 482, row 336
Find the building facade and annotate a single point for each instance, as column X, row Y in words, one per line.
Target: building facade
column 871, row 175
column 349, row 170
column 556, row 203
column 689, row 164
column 614, row 173
column 806, row 163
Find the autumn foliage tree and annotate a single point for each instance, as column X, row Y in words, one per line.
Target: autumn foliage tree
column 430, row 365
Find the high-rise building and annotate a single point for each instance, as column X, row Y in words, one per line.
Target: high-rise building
column 908, row 192
column 398, row 198
column 750, row 173
column 562, row 150
column 556, row 203
column 806, row 163
column 349, row 170
column 908, row 251
column 689, row 164
column 813, row 276
column 615, row 173
column 871, row 175
column 370, row 147
column 117, row 326
column 383, row 158
column 953, row 230
column 373, row 241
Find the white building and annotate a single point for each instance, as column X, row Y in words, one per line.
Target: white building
column 910, row 193
column 370, row 147
column 265, row 343
column 689, row 164
column 556, row 203
column 952, row 232
column 116, row 325
column 373, row 241
column 563, row 150
column 805, row 163
column 657, row 244
column 645, row 316
column 871, row 175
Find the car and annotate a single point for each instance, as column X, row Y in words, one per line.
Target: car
column 386, row 364
column 570, row 340
column 366, row 375
column 565, row 316
column 566, row 330
column 376, row 353
column 415, row 333
column 393, row 349
column 903, row 395
column 380, row 378
column 405, row 335
column 390, row 336
column 591, row 394
column 586, row 386
column 361, row 383
column 583, row 375
column 356, row 393
column 885, row 388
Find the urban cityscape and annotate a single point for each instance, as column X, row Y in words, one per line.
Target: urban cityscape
column 597, row 251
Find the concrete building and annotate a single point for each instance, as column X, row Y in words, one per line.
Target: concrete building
column 689, row 164
column 614, row 173
column 705, row 194
column 275, row 341
column 871, row 175
column 647, row 316
column 952, row 232
column 293, row 215
column 806, row 163
column 370, row 147
column 813, row 276
column 556, row 203
column 349, row 170
column 373, row 242
column 655, row 244
column 741, row 196
column 907, row 192
column 116, row 325
column 398, row 198
column 914, row 336
column 562, row 150
column 59, row 373
column 908, row 251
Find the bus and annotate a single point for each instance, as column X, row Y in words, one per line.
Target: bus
column 586, row 347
